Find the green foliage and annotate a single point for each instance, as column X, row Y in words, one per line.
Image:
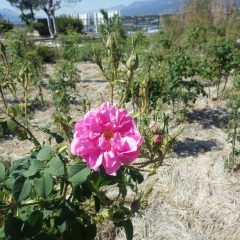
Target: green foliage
column 49, row 205
column 70, row 45
column 5, row 26
column 201, row 33
column 64, row 23
column 112, row 25
column 220, row 58
column 47, row 54
column 41, row 27
column 23, row 55
column 63, row 86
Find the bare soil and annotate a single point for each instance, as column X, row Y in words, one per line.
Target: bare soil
column 195, row 197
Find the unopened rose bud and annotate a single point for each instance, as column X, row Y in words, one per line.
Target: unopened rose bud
column 153, row 129
column 157, row 138
column 132, row 63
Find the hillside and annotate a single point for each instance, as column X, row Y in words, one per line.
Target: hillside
column 151, row 7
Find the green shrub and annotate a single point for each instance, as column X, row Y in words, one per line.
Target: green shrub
column 5, row 26
column 42, row 27
column 65, row 23
column 86, row 52
column 47, row 54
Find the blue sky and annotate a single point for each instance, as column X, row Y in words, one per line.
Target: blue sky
column 83, row 6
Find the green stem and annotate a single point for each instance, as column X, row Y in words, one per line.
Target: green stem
column 32, row 137
column 3, row 98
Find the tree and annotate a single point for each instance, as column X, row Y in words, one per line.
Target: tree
column 198, row 11
column 48, row 6
column 25, row 5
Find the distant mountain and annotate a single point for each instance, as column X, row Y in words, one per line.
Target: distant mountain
column 151, row 7
column 10, row 15
column 146, row 7
column 118, row 7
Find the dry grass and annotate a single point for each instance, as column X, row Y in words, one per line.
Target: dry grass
column 195, row 198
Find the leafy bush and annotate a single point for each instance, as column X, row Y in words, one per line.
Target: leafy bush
column 87, row 51
column 42, row 27
column 5, row 26
column 63, row 86
column 64, row 23
column 75, row 48
column 47, row 54
column 70, row 45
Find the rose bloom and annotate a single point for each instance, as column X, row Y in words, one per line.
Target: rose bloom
column 108, row 137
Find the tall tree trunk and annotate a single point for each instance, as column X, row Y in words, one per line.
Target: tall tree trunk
column 50, row 25
column 54, row 25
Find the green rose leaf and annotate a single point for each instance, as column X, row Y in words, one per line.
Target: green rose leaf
column 78, row 173
column 44, row 185
column 34, row 224
column 36, row 165
column 56, row 167
column 21, row 188
column 45, row 153
column 2, row 234
column 2, row 172
column 11, row 125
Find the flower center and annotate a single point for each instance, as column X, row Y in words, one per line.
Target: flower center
column 108, row 134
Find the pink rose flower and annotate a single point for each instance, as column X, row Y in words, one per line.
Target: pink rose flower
column 108, row 137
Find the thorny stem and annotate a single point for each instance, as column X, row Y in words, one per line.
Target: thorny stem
column 234, row 135
column 32, row 137
column 3, row 98
column 112, row 92
column 225, row 83
column 25, row 107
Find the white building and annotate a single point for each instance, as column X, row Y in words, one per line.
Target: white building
column 91, row 21
column 98, row 17
column 85, row 17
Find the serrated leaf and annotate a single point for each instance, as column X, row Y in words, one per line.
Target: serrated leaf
column 45, row 153
column 21, row 188
column 36, row 165
column 56, row 167
column 44, row 185
column 78, row 173
column 2, row 172
column 11, row 125
column 2, row 234
column 47, row 213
